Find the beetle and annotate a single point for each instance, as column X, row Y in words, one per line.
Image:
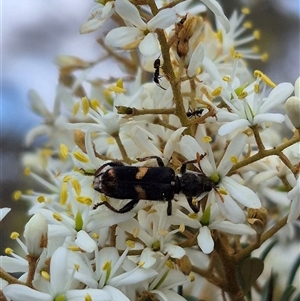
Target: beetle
column 157, row 76
column 116, row 180
column 197, row 113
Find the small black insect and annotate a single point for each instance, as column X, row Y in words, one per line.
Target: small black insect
column 160, row 183
column 157, row 76
column 197, row 113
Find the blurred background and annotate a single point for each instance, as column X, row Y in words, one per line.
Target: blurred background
column 35, row 31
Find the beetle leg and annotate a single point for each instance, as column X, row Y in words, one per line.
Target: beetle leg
column 169, row 208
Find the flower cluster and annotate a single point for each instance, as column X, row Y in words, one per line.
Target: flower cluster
column 148, row 187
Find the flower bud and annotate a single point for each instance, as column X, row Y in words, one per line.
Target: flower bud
column 292, row 108
column 36, row 234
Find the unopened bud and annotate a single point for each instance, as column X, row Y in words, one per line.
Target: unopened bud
column 292, row 108
column 36, row 235
column 184, row 264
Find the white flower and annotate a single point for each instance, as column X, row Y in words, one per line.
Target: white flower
column 228, row 191
column 153, row 230
column 99, row 15
column 61, row 284
column 292, row 106
column 141, row 33
column 210, row 220
column 253, row 109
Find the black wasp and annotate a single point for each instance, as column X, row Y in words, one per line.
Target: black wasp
column 116, row 180
column 157, row 76
column 197, row 113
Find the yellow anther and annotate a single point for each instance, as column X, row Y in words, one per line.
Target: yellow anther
column 226, row 79
column 64, row 151
column 193, row 215
column 88, row 297
column 135, row 232
column 45, row 275
column 106, row 265
column 192, row 277
column 95, row 104
column 169, row 264
column 63, row 193
column 27, row 171
column 76, row 185
column 76, row 108
column 264, row 78
column 246, row 10
column 216, row 92
column 248, row 25
column 8, row 251
column 57, row 216
column 181, row 228
column 256, row 49
column 219, row 36
column 237, row 55
column 41, row 199
column 76, row 267
column 14, row 235
column 17, row 194
column 110, row 140
column 265, row 57
column 162, row 232
column 256, row 88
column 223, row 191
column 81, row 157
column 207, row 139
column 74, row 248
column 95, row 235
column 85, row 105
column 84, row 200
column 141, row 264
column 256, row 34
column 67, row 179
column 242, row 95
column 234, row 159
column 130, row 243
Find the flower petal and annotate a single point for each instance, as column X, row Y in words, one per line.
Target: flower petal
column 259, row 118
column 18, row 292
column 129, row 13
column 196, row 60
column 205, row 240
column 277, row 96
column 233, row 125
column 149, row 45
column 242, row 194
column 124, row 37
column 85, row 242
column 163, row 19
column 229, row 227
column 216, row 8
